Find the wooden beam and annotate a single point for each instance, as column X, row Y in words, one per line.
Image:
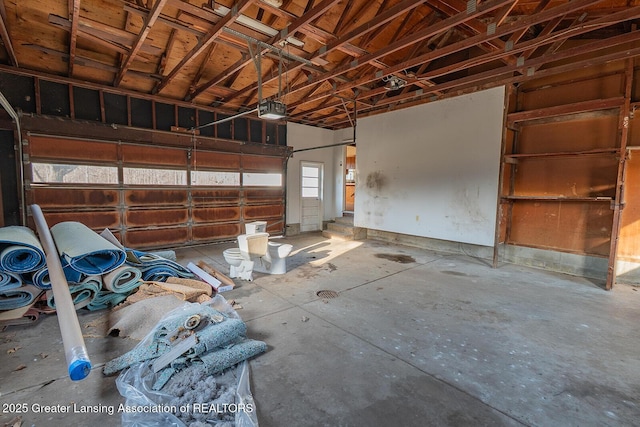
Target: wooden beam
column 437, row 28
column 503, row 149
column 618, row 205
column 74, row 17
column 506, row 29
column 380, row 20
column 142, row 36
column 464, row 85
column 6, row 37
column 282, row 35
column 204, row 43
column 560, row 110
column 110, row 37
column 88, row 62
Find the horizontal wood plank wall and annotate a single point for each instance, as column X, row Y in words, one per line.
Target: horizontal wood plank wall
column 561, row 162
column 148, row 215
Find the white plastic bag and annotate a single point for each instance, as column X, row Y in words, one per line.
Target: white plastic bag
column 189, row 398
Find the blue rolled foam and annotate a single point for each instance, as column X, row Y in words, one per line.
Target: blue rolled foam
column 20, row 250
column 86, row 251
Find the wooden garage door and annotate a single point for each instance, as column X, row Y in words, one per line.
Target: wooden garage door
column 152, row 196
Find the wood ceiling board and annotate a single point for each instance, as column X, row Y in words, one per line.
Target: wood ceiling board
column 107, row 29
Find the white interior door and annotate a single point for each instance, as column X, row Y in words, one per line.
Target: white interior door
column 311, row 192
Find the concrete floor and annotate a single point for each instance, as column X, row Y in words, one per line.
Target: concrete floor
column 415, row 338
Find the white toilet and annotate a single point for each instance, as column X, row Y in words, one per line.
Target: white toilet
column 238, row 265
column 271, row 257
column 242, row 259
column 277, row 254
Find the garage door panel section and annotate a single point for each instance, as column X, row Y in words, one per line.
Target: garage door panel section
column 97, row 221
column 216, row 232
column 85, row 198
column 264, row 195
column 141, row 155
column 263, row 211
column 156, row 217
column 216, row 214
column 72, row 149
column 156, row 238
column 216, row 160
column 262, row 163
column 156, row 197
column 209, row 197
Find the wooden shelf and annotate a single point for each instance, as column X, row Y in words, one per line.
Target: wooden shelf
column 559, row 198
column 598, row 151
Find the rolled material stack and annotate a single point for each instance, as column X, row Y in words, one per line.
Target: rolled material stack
column 100, row 273
column 21, row 256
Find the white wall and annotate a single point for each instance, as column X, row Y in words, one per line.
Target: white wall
column 432, row 170
column 301, row 136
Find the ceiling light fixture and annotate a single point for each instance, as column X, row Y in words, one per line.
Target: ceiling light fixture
column 256, row 25
column 394, row 83
column 274, row 3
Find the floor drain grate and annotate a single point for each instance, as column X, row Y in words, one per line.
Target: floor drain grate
column 327, row 294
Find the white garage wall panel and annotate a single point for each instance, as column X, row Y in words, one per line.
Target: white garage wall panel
column 432, row 170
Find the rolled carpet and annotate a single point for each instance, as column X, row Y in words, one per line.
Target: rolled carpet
column 41, row 279
column 18, row 297
column 156, row 268
column 20, row 250
column 106, row 299
column 123, row 279
column 9, row 281
column 214, row 362
column 82, row 294
column 85, row 250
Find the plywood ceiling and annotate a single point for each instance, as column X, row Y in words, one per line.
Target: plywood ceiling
column 323, row 57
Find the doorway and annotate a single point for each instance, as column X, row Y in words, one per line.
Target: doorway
column 311, row 195
column 349, row 180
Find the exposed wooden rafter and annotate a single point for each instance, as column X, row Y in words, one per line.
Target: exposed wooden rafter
column 142, row 35
column 330, row 51
column 380, row 20
column 74, row 16
column 204, row 43
column 6, row 38
column 523, row 22
column 282, row 35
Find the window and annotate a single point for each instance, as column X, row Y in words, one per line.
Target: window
column 262, row 179
column 74, row 174
column 145, row 176
column 310, row 181
column 215, row 178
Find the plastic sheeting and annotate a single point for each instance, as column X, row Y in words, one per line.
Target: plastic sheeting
column 85, row 250
column 192, row 396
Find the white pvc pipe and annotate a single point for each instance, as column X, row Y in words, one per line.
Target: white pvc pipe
column 74, row 348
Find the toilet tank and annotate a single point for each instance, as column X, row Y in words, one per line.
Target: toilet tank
column 255, row 227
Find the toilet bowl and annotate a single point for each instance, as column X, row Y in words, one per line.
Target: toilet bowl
column 277, row 254
column 233, row 256
column 239, row 266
